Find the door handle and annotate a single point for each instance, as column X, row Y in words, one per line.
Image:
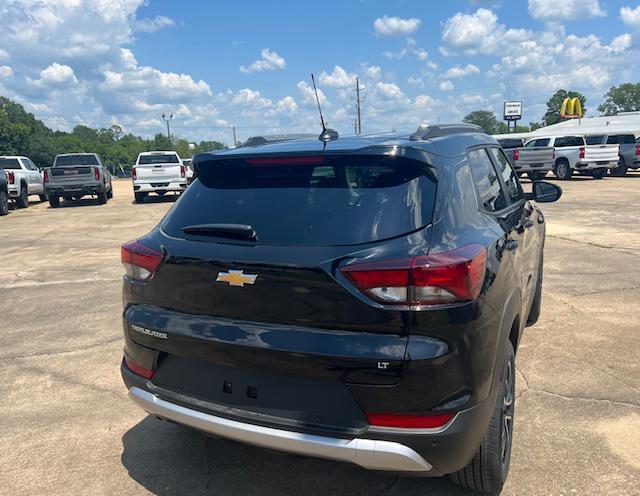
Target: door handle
column 511, row 244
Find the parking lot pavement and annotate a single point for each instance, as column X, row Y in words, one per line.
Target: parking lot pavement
column 66, row 426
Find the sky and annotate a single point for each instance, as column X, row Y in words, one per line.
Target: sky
column 218, row 64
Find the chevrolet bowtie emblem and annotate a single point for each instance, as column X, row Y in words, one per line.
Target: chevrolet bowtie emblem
column 236, row 278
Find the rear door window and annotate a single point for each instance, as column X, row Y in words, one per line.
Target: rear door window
column 309, row 200
column 490, row 193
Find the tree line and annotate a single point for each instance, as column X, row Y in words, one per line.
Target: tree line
column 22, row 134
column 623, row 98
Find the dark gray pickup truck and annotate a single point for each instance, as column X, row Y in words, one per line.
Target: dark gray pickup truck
column 75, row 175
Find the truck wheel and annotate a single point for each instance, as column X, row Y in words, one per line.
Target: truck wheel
column 110, row 192
column 487, row 471
column 598, row 173
column 534, row 313
column 54, row 201
column 4, row 202
column 102, row 197
column 536, row 176
column 562, row 170
column 139, row 197
column 23, row 200
column 621, row 170
column 43, row 197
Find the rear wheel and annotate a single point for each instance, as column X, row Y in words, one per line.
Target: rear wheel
column 487, row 471
column 139, row 197
column 43, row 197
column 102, row 197
column 4, row 202
column 621, row 170
column 54, row 201
column 598, row 173
column 23, row 200
column 562, row 170
column 536, row 176
column 110, row 192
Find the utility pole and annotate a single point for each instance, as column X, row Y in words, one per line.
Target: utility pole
column 234, row 136
column 359, row 127
column 167, row 120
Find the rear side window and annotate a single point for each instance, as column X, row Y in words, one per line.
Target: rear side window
column 566, row 141
column 621, row 139
column 538, row 143
column 490, row 193
column 512, row 185
column 9, row 163
column 158, row 159
column 310, row 200
column 66, row 160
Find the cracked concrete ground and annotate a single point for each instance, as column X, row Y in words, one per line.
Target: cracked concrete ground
column 66, row 426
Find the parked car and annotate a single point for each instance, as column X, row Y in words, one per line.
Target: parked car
column 74, row 175
column 360, row 300
column 158, row 172
column 23, row 178
column 629, row 150
column 4, row 193
column 535, row 162
column 574, row 155
column 188, row 163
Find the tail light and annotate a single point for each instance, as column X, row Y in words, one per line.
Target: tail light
column 139, row 261
column 96, row 173
column 46, row 175
column 437, row 279
column 428, row 421
column 516, row 155
column 139, row 369
column 134, row 174
column 637, row 150
column 582, row 152
column 11, row 178
column 183, row 171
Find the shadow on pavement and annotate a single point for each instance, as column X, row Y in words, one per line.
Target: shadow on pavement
column 169, row 459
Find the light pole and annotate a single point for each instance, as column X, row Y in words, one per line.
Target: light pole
column 167, row 120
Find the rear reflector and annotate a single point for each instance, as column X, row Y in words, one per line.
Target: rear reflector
column 582, row 152
column 11, row 178
column 637, row 150
column 429, row 421
column 440, row 278
column 183, row 171
column 134, row 174
column 140, row 262
column 96, row 172
column 138, row 369
column 516, row 155
column 46, row 175
column 285, row 160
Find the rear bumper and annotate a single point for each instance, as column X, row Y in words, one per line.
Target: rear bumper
column 160, row 185
column 73, row 189
column 14, row 190
column 533, row 167
column 368, row 453
column 595, row 165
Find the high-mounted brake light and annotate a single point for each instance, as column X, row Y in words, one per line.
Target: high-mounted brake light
column 134, row 174
column 516, row 155
column 183, row 171
column 140, row 262
column 441, row 278
column 46, row 175
column 139, row 369
column 429, row 421
column 582, row 152
column 637, row 150
column 309, row 160
column 96, row 173
column 11, row 178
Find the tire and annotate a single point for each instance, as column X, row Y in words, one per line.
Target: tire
column 562, row 170
column 4, row 202
column 22, row 201
column 536, row 176
column 487, row 471
column 598, row 173
column 139, row 197
column 110, row 193
column 102, row 197
column 43, row 197
column 534, row 313
column 621, row 170
column 54, row 201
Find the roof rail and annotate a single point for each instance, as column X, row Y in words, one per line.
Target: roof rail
column 428, row 131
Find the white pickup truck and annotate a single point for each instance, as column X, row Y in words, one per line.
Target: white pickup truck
column 574, row 155
column 23, row 179
column 158, row 172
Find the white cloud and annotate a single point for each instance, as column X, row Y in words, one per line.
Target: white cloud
column 424, row 101
column 565, row 9
column 308, row 96
column 389, row 90
column 4, row 55
column 630, row 16
column 416, row 82
column 461, row 71
column 6, row 71
column 55, row 76
column 473, row 33
column 251, row 98
column 269, row 61
column 620, row 43
column 410, row 47
column 153, row 25
column 374, row 72
column 393, row 26
column 446, row 86
column 339, row 78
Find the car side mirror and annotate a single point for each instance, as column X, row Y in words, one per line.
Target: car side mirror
column 544, row 192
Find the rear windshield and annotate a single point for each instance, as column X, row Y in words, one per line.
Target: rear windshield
column 9, row 163
column 66, row 160
column 510, row 143
column 594, row 140
column 309, row 200
column 621, row 139
column 567, row 141
column 158, row 159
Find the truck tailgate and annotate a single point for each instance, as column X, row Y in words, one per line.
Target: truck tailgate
column 158, row 172
column 535, row 157
column 601, row 153
column 71, row 174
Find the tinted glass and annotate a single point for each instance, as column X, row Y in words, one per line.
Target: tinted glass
column 596, row 140
column 512, row 185
column 565, row 141
column 317, row 201
column 490, row 192
column 621, row 139
column 158, row 159
column 510, row 143
column 538, row 143
column 9, row 163
column 66, row 160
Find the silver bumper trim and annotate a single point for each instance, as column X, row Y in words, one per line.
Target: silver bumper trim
column 368, row 453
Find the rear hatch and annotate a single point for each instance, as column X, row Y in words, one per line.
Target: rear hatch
column 73, row 169
column 251, row 254
column 158, row 168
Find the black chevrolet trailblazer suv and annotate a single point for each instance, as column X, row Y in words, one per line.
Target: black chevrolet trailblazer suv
column 360, row 299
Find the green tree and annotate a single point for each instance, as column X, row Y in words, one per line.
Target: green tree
column 535, row 125
column 485, row 119
column 552, row 116
column 623, row 98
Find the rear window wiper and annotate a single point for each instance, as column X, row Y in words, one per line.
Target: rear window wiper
column 233, row 231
